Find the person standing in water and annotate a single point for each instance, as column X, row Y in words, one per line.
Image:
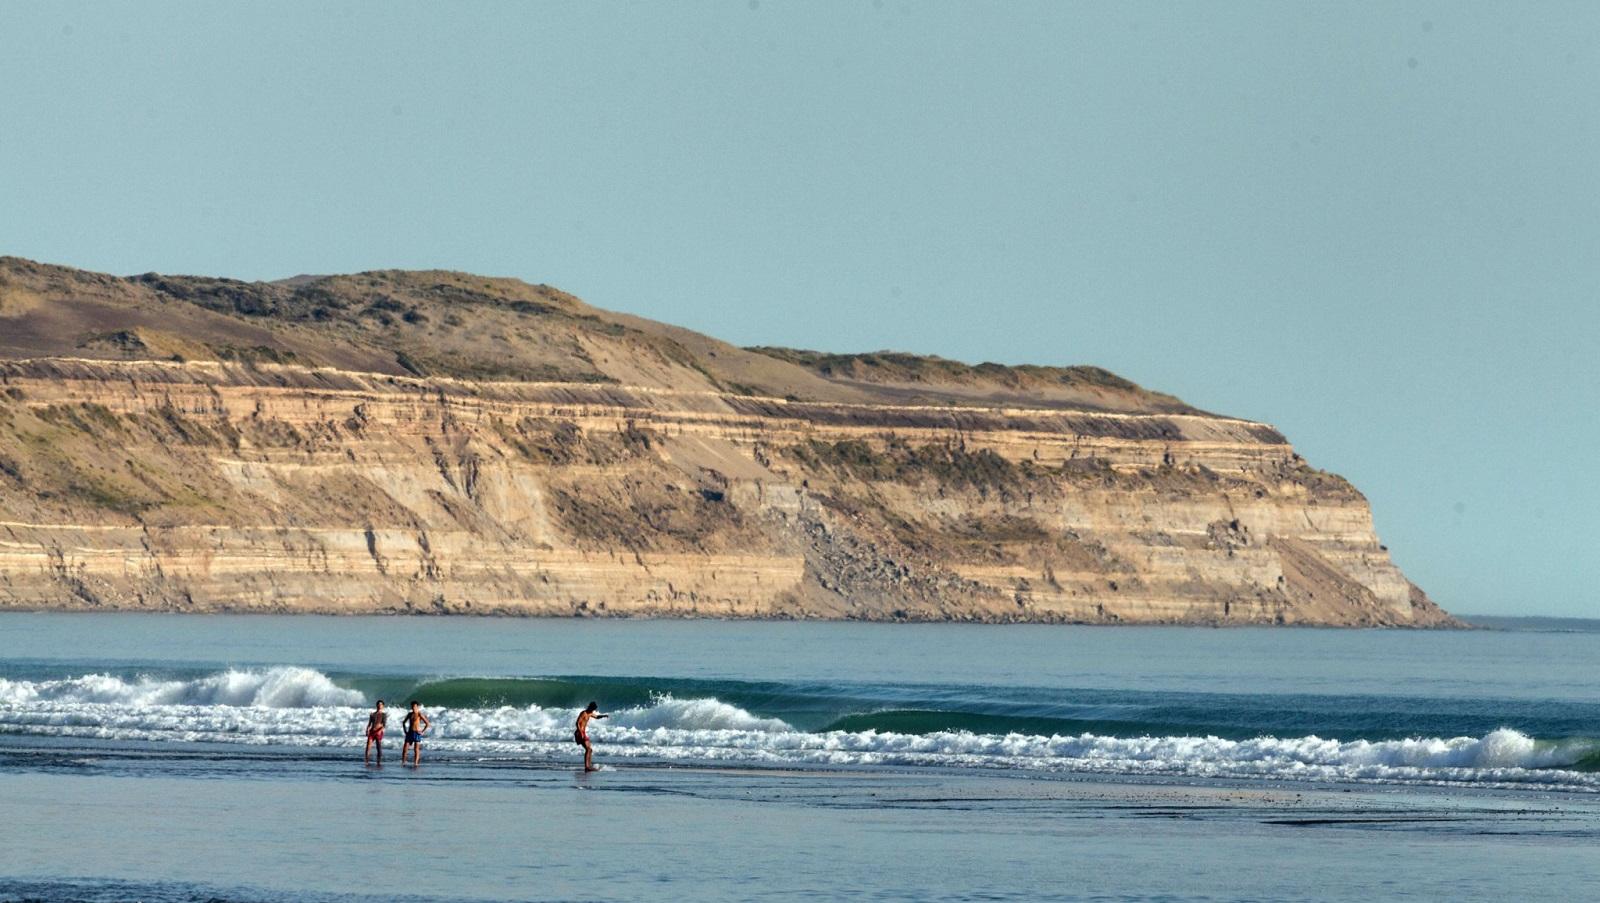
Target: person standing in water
column 416, row 724
column 376, row 722
column 580, row 734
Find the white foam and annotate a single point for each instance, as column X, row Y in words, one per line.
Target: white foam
column 695, row 714
column 300, row 707
column 286, row 687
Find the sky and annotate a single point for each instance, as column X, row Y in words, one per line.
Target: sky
column 1375, row 226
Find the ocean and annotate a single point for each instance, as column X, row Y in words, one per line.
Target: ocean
column 171, row 757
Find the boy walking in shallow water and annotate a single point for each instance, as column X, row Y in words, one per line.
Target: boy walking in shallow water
column 580, row 734
column 416, row 724
column 376, row 722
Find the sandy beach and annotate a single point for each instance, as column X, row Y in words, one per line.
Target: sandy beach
column 138, row 823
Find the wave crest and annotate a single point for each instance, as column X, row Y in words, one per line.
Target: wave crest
column 301, row 707
column 278, row 688
column 709, row 714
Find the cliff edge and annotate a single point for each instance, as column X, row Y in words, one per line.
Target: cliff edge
column 439, row 442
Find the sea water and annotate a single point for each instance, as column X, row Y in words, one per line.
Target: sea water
column 214, row 757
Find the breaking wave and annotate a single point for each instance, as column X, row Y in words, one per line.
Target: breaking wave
column 277, row 688
column 301, row 707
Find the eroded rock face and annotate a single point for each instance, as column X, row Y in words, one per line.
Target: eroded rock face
column 258, row 486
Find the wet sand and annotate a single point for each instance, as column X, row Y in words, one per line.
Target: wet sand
column 145, row 824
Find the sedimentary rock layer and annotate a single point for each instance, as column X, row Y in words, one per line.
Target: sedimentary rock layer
column 253, row 486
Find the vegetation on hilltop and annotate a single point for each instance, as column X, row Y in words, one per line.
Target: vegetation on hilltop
column 442, row 323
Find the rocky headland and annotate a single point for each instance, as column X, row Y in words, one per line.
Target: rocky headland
column 437, row 442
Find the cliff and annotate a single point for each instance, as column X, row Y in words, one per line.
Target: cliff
column 445, row 443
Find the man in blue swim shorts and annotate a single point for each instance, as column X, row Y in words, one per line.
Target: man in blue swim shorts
column 416, row 724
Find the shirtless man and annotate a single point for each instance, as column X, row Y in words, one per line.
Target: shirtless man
column 416, row 724
column 376, row 722
column 580, row 734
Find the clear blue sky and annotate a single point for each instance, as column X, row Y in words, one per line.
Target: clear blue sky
column 1374, row 225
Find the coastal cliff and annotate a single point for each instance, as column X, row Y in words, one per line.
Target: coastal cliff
column 443, row 443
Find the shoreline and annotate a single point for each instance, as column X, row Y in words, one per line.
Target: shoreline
column 445, row 765
column 482, row 833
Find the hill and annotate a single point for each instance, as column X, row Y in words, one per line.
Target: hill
column 441, row 442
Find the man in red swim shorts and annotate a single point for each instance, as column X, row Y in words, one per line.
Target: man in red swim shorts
column 376, row 722
column 580, row 734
